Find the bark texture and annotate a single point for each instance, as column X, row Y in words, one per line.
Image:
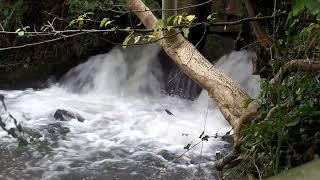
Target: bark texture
column 261, row 35
column 223, row 90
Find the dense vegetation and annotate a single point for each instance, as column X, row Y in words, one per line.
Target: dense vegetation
column 286, row 133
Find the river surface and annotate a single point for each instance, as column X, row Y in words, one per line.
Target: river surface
column 132, row 130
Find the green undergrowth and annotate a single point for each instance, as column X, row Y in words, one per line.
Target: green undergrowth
column 286, row 133
column 291, row 135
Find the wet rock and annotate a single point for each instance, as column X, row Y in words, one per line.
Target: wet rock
column 32, row 132
column 64, row 115
column 149, row 159
column 56, row 128
column 167, row 155
column 55, row 131
column 170, row 156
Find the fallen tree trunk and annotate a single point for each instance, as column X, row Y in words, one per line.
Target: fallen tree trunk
column 226, row 94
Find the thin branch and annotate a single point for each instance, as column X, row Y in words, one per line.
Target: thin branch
column 276, row 109
column 144, row 30
column 161, row 10
column 299, row 65
column 41, row 42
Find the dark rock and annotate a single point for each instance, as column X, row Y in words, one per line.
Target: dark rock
column 32, row 132
column 55, row 132
column 64, row 115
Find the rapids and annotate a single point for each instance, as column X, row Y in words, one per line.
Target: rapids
column 127, row 133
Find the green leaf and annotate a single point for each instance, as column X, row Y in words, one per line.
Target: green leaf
column 169, row 20
column 190, row 18
column 108, row 22
column 22, row 142
column 272, row 62
column 179, row 19
column 186, row 32
column 104, row 20
column 298, row 5
column 159, row 23
column 150, row 38
column 126, row 41
column 136, row 39
column 21, row 33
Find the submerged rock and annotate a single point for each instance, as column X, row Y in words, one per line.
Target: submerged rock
column 64, row 115
column 55, row 131
column 32, row 132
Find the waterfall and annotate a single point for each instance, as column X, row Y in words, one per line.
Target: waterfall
column 131, row 130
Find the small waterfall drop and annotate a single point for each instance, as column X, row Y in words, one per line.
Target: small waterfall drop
column 128, row 133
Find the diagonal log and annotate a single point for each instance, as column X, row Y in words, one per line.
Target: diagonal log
column 222, row 89
column 228, row 96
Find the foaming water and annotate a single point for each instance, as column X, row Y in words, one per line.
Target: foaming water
column 127, row 133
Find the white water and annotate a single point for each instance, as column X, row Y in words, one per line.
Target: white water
column 127, row 134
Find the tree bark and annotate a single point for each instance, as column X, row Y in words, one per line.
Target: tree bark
column 261, row 35
column 222, row 89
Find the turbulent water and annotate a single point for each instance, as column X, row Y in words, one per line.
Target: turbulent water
column 129, row 132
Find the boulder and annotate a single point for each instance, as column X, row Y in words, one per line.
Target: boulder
column 64, row 115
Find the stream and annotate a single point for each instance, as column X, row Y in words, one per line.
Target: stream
column 131, row 130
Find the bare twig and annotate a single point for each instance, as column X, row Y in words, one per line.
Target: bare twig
column 41, row 42
column 161, row 10
column 143, row 30
column 276, row 109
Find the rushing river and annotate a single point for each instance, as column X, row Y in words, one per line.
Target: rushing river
column 129, row 132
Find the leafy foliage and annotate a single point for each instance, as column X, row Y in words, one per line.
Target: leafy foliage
column 11, row 13
column 286, row 133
